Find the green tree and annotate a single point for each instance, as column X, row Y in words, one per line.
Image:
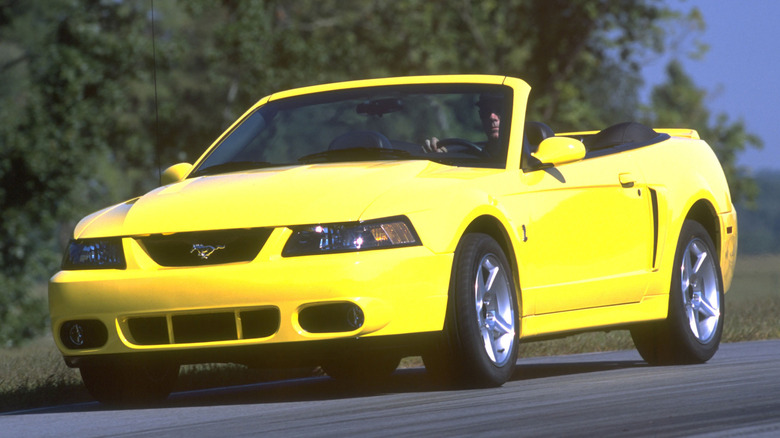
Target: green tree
column 78, row 115
column 759, row 226
column 69, row 136
column 679, row 103
column 581, row 57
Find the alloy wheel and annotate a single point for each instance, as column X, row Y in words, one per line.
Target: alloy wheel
column 495, row 312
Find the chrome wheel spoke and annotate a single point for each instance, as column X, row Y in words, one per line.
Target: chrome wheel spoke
column 486, row 275
column 502, row 327
column 685, row 271
column 479, row 297
column 497, row 337
column 701, row 256
column 700, row 292
column 693, row 320
column 704, row 308
column 491, row 270
column 495, row 313
column 487, row 339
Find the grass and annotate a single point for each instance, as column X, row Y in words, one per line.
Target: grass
column 753, row 303
column 34, row 375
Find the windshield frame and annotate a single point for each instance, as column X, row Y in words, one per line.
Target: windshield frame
column 270, row 106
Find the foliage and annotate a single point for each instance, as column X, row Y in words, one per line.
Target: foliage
column 68, row 136
column 680, row 104
column 79, row 122
column 582, row 58
column 759, row 221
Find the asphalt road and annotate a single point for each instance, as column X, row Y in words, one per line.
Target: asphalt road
column 737, row 393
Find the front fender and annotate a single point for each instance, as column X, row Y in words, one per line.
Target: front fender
column 442, row 234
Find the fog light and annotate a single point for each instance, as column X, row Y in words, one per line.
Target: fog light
column 76, row 334
column 331, row 318
column 81, row 334
column 355, row 317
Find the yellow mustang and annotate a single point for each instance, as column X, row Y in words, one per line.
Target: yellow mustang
column 330, row 225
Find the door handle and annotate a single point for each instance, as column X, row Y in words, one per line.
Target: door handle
column 627, row 179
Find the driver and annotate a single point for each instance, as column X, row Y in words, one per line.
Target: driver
column 490, row 115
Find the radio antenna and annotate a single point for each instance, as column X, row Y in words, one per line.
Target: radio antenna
column 156, row 106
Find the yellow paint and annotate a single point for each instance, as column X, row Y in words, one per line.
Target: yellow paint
column 581, row 234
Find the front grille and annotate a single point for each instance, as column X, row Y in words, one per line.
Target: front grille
column 205, row 247
column 208, row 327
column 204, row 327
column 149, row 331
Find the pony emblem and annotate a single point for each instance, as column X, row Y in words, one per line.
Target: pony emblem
column 205, row 251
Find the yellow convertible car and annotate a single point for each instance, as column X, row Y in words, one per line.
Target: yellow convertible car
column 351, row 224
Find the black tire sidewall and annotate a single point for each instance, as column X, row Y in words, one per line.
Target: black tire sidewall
column 689, row 348
column 478, row 368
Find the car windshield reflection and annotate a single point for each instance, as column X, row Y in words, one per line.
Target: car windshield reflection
column 368, row 124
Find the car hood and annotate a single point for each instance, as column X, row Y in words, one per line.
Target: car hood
column 319, row 193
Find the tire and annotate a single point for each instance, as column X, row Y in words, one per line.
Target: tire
column 359, row 369
column 480, row 342
column 692, row 331
column 130, row 382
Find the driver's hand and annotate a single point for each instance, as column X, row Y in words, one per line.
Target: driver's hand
column 432, row 145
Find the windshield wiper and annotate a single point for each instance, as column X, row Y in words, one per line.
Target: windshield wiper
column 355, row 154
column 231, row 166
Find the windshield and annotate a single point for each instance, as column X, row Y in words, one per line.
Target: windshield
column 366, row 124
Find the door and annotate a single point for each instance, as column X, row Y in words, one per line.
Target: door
column 589, row 234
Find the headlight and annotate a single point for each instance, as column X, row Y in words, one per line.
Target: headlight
column 94, row 254
column 353, row 236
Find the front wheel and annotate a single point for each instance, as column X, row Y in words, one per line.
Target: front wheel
column 481, row 340
column 692, row 331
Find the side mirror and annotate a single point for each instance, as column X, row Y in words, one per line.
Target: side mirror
column 555, row 151
column 175, row 173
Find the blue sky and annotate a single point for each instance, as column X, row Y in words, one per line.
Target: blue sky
column 740, row 71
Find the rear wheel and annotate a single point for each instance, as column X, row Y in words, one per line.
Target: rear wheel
column 692, row 331
column 480, row 343
column 130, row 382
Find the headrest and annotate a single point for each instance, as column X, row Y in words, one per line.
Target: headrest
column 627, row 132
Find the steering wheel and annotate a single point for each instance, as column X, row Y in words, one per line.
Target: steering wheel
column 461, row 142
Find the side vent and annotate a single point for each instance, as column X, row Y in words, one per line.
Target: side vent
column 654, row 201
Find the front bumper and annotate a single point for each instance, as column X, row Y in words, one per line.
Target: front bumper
column 399, row 291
